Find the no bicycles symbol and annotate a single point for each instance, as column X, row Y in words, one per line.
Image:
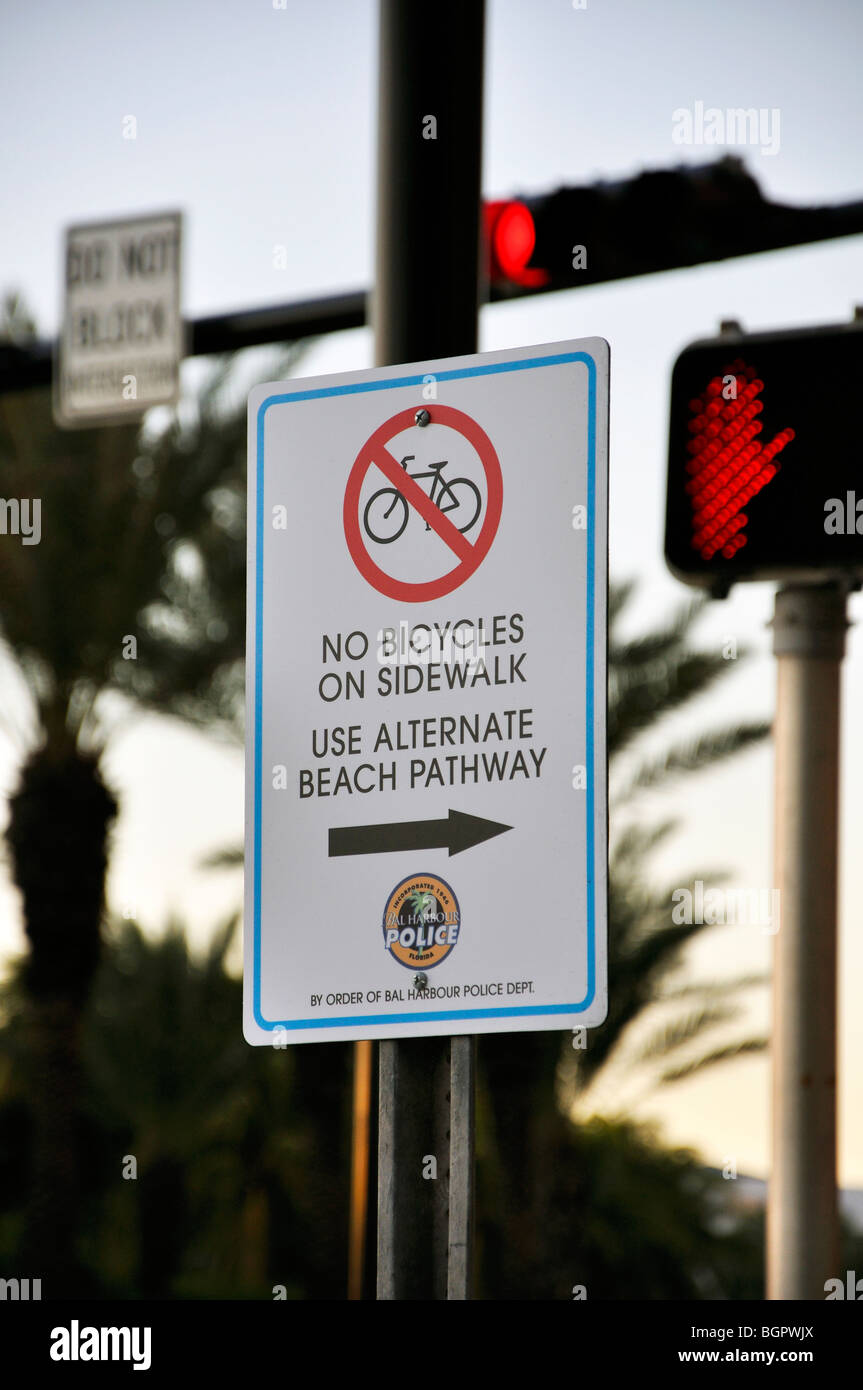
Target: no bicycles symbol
column 450, row 506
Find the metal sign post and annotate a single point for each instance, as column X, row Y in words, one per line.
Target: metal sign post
column 426, row 823
column 802, row 1219
column 426, row 299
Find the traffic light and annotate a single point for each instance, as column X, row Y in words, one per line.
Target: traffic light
column 657, row 220
column 765, row 473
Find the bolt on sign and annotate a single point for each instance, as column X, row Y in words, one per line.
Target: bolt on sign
column 121, row 338
column 426, row 693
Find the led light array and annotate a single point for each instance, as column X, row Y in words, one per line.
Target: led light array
column 727, row 464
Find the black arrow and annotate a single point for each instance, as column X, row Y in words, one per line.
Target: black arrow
column 454, row 833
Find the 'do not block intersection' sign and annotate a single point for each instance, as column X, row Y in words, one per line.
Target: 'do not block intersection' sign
column 121, row 340
column 426, row 749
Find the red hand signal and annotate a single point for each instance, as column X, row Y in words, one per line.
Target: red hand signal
column 728, row 465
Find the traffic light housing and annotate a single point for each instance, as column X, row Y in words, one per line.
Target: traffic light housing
column 765, row 474
column 660, row 219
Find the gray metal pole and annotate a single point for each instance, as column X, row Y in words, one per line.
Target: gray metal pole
column 802, row 1221
column 461, row 1148
column 425, row 305
column 430, row 81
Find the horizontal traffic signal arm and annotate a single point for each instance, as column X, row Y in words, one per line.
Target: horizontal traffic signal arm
column 659, row 220
column 30, row 364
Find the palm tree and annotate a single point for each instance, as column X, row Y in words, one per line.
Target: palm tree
column 134, row 589
column 213, row 1126
column 530, row 1080
column 649, row 679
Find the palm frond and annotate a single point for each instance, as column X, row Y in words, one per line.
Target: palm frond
column 641, row 697
column 633, row 842
column 661, row 642
column 619, row 593
column 733, row 984
column 671, row 1036
column 229, row 858
column 696, row 754
column 711, row 1059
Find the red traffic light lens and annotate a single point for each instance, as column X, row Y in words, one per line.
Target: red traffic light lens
column 514, row 239
column 511, row 239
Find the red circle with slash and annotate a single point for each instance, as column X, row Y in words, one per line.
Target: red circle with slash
column 469, row 555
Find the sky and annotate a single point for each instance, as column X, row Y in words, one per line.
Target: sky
column 259, row 123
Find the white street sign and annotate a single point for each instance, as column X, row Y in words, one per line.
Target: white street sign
column 426, row 688
column 121, row 339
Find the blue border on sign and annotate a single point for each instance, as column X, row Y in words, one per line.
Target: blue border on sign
column 439, row 1015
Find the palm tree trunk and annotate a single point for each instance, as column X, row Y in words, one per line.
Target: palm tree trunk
column 162, row 1210
column 519, row 1072
column 57, row 834
column 54, row 1198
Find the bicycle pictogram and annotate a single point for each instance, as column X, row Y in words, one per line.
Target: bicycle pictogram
column 387, row 513
column 448, row 506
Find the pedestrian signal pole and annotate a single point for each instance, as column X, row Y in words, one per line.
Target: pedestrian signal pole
column 802, row 1218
